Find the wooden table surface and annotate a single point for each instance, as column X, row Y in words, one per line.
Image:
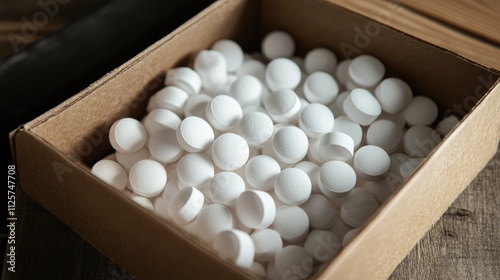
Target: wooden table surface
column 463, row 244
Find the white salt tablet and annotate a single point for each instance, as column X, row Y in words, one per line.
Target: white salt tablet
column 336, row 145
column 316, row 120
column 320, row 87
column 371, row 162
column 195, row 170
column 282, row 73
column 140, row 200
column 161, row 208
column 362, row 107
column 195, row 105
column 127, row 160
column 236, row 245
column 446, row 125
column 158, row 119
column 337, row 106
column 283, row 106
column 420, row 140
column 111, row 173
column 258, row 269
column 323, row 245
column 397, row 159
column 380, row 189
column 256, row 128
column 394, row 95
column 247, row 90
column 164, row 147
column 278, row 44
column 292, row 186
column 212, row 68
column 294, row 262
column 171, row 98
column 261, row 171
column 358, row 206
column 340, row 228
column 320, row 211
column 320, row 59
column 350, row 236
column 267, row 243
column 231, row 51
column 408, row 167
column 230, row 152
column 194, row 134
column 253, row 67
column 342, row 71
column 398, row 119
column 255, row 209
column 313, row 153
column 212, row 220
column 290, row 144
column 347, row 126
column 184, row 78
column 147, row 178
column 336, row 179
column 291, row 223
column 385, row 134
column 421, row 111
column 312, row 170
column 225, row 188
column 223, row 112
column 127, row 135
column 366, row 70
column 185, row 205
column 172, row 186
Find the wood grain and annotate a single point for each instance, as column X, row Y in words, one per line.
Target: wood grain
column 480, row 17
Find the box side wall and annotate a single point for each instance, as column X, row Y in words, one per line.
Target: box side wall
column 427, row 69
column 79, row 128
column 130, row 235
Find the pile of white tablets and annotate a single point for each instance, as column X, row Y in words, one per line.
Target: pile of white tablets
column 275, row 161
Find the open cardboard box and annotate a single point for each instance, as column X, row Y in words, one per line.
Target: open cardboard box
column 53, row 152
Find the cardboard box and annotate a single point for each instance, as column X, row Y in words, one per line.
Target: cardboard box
column 54, row 151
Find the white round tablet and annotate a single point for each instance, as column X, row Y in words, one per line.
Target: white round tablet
column 147, row 178
column 253, row 67
column 261, row 171
column 394, row 95
column 336, row 179
column 320, row 211
column 212, row 220
column 255, row 209
column 337, row 107
column 291, row 223
column 111, row 173
column 185, row 205
column 323, row 245
column 195, row 105
column 320, row 59
column 290, row 144
column 385, row 134
column 366, row 70
column 312, row 170
column 398, row 119
column 294, row 262
column 350, row 236
column 421, row 111
column 380, row 189
column 171, row 98
column 420, row 140
column 127, row 135
column 212, row 68
column 195, row 170
column 371, row 162
column 159, row 119
column 358, row 206
column 231, row 51
column 340, row 228
column 347, row 126
column 247, row 90
column 230, row 152
column 172, row 186
column 164, row 147
column 283, row 106
column 236, row 245
column 223, row 112
column 313, row 152
column 282, row 73
column 127, row 160
column 362, row 107
column 292, row 186
column 256, row 128
column 258, row 269
column 144, row 202
column 184, row 78
column 225, row 188
column 320, row 87
column 315, row 120
column 267, row 243
column 336, row 145
column 342, row 71
column 194, row 134
column 278, row 44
